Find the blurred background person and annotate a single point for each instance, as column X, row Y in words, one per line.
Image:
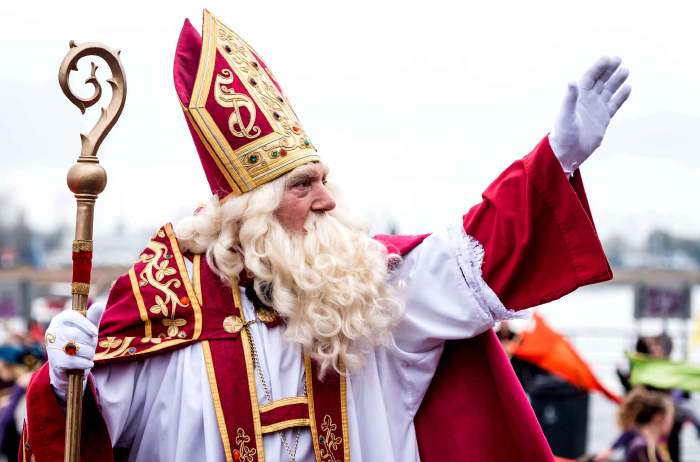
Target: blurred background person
column 17, row 364
column 649, row 415
column 661, row 346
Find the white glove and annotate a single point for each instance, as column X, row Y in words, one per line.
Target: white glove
column 71, row 327
column 586, row 112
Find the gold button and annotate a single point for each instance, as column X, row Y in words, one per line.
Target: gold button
column 266, row 315
column 233, row 324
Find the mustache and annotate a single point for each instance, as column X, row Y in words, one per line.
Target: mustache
column 316, row 218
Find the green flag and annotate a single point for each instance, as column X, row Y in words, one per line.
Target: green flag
column 663, row 373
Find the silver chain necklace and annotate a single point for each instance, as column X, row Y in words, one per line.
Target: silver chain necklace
column 268, row 394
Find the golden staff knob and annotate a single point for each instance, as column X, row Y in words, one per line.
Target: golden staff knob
column 86, row 179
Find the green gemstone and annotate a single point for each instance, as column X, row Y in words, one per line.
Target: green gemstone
column 306, row 142
column 275, row 154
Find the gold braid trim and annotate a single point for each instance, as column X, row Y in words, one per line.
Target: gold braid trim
column 82, row 246
column 80, row 288
column 283, row 425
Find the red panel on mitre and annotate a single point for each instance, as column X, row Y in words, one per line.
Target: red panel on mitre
column 189, row 47
column 244, row 129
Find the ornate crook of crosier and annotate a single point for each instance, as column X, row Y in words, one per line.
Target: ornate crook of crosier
column 109, row 115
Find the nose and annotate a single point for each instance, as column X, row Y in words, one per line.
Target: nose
column 323, row 202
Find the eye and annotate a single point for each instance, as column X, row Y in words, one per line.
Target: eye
column 302, row 183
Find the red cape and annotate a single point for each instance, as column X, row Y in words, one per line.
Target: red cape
column 540, row 244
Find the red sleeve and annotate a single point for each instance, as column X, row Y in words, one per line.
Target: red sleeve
column 44, row 429
column 538, row 235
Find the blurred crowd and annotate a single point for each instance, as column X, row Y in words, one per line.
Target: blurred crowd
column 650, row 418
column 21, row 353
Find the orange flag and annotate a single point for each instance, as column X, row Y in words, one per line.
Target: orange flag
column 552, row 352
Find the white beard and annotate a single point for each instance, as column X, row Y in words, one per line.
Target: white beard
column 329, row 284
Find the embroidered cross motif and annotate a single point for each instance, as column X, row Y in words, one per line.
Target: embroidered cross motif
column 329, row 442
column 243, row 453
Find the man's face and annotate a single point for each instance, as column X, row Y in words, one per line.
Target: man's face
column 305, row 192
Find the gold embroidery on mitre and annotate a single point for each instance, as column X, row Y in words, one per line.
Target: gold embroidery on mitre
column 227, row 97
column 266, row 156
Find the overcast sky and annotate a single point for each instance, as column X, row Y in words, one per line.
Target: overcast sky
column 416, row 106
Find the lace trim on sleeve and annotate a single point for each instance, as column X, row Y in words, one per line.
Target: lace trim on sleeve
column 470, row 256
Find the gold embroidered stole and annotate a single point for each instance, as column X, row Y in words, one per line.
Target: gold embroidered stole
column 242, row 421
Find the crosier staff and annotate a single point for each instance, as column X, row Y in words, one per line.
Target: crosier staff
column 86, row 179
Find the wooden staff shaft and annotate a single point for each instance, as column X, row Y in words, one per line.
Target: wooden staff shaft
column 86, row 174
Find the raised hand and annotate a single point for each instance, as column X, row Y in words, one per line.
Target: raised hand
column 71, row 340
column 587, row 110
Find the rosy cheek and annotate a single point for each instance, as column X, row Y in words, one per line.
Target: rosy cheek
column 300, row 216
column 292, row 214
